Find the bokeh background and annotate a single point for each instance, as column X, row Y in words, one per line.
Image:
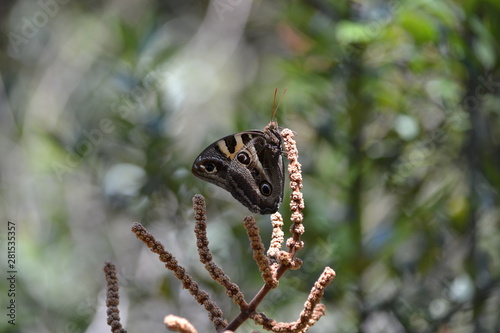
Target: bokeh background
column 105, row 104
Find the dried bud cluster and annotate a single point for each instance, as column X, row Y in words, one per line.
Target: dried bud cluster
column 179, row 324
column 277, row 236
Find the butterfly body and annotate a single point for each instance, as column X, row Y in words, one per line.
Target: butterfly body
column 249, row 165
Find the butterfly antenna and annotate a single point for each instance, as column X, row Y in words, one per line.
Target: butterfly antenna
column 275, row 108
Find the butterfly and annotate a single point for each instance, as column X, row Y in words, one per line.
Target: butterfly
column 249, row 165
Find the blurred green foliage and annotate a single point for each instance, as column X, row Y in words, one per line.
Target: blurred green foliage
column 104, row 106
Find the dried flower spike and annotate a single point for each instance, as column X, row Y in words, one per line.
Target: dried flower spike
column 312, row 312
column 258, row 252
column 312, row 309
column 296, row 199
column 217, row 274
column 214, row 312
column 112, row 298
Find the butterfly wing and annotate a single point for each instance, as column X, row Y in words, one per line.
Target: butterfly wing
column 213, row 163
column 256, row 176
column 249, row 165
